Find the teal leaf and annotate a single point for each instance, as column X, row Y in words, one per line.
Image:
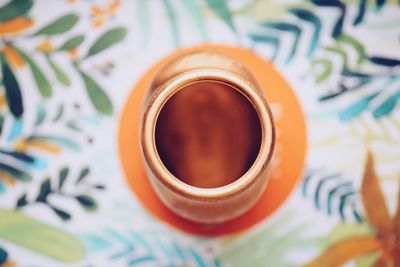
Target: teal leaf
column 1, row 123
column 59, row 113
column 387, row 106
column 60, row 75
column 72, row 43
column 60, row 25
column 62, row 177
column 268, row 39
column 42, row 82
column 22, row 201
column 12, row 89
column 172, row 21
column 99, row 98
column 143, row 13
column 221, row 9
column 106, row 40
column 355, row 109
column 15, row 173
column 384, row 61
column 338, row 28
column 15, row 8
column 196, row 16
column 45, row 190
column 41, row 115
column 3, row 256
column 286, row 27
column 65, row 216
column 82, row 175
column 308, row 16
column 87, row 202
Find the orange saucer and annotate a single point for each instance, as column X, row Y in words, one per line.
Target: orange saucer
column 288, row 158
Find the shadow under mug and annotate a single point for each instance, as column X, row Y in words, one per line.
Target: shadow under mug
column 207, row 137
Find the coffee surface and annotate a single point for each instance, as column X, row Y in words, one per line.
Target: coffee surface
column 208, row 134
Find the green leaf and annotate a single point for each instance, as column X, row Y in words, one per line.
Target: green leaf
column 99, row 98
column 3, row 256
column 15, row 8
column 42, row 82
column 45, row 190
column 60, row 25
column 108, row 39
column 84, row 173
column 72, row 43
column 87, row 202
column 327, row 68
column 15, row 173
column 22, row 201
column 62, row 177
column 221, row 9
column 12, row 89
column 43, row 239
column 60, row 75
column 65, row 216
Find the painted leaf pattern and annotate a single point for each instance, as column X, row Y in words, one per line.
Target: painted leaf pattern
column 68, row 67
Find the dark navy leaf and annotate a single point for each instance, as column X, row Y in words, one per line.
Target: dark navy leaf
column 22, row 201
column 87, row 202
column 65, row 216
column 18, row 155
column 62, row 177
column 362, row 6
column 337, row 29
column 384, row 61
column 3, row 256
column 308, row 16
column 15, row 173
column 15, row 8
column 83, row 174
column 12, row 89
column 379, row 4
column 45, row 190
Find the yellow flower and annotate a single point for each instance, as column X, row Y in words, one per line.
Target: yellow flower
column 15, row 26
column 13, row 57
column 46, row 46
column 386, row 242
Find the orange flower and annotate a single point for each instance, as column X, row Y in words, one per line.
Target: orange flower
column 15, row 26
column 73, row 53
column 112, row 7
column 98, row 22
column 2, row 99
column 9, row 264
column 13, row 57
column 387, row 240
column 46, row 46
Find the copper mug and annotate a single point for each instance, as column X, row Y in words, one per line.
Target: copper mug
column 207, row 137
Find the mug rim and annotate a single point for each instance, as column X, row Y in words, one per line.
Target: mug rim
column 160, row 97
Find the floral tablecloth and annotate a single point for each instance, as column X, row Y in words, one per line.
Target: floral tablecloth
column 67, row 68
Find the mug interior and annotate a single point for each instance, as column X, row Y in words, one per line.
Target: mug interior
column 208, row 134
